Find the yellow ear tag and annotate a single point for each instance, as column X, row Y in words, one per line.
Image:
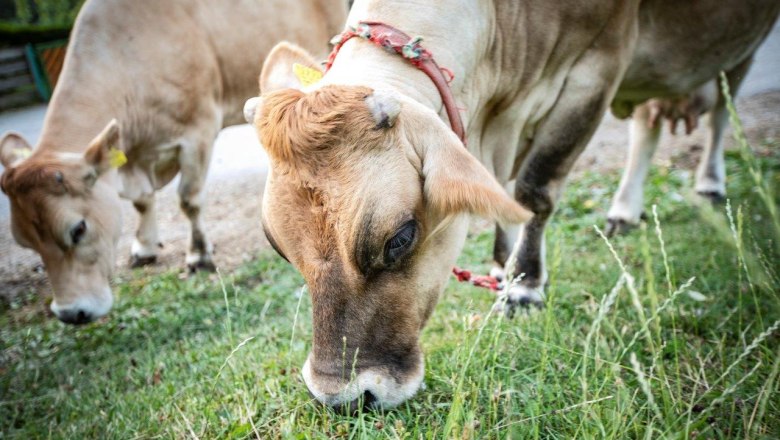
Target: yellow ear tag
column 306, row 75
column 116, row 158
column 23, row 153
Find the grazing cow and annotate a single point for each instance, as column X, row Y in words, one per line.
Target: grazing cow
column 727, row 39
column 162, row 78
column 368, row 182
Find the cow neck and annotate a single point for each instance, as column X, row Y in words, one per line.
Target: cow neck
column 73, row 120
column 409, row 49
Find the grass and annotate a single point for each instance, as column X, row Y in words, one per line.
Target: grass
column 674, row 335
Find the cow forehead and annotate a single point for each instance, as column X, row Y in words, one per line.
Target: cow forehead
column 382, row 184
column 34, row 219
column 308, row 130
column 305, row 219
column 44, row 175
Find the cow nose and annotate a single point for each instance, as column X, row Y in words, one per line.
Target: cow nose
column 364, row 402
column 75, row 317
column 370, row 388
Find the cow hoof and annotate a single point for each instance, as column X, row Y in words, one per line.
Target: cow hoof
column 204, row 265
column 715, row 197
column 618, row 226
column 519, row 297
column 500, row 276
column 497, row 273
column 137, row 261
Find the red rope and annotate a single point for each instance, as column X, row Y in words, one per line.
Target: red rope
column 486, row 281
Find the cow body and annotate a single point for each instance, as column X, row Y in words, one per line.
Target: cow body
column 681, row 49
column 172, row 74
column 367, row 182
column 532, row 79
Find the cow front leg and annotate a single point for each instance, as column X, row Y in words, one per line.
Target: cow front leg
column 559, row 140
column 194, row 162
column 627, row 204
column 711, row 172
column 505, row 240
column 537, row 190
column 506, row 237
column 146, row 244
column 529, row 276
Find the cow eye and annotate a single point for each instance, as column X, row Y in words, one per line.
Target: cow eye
column 77, row 232
column 402, row 241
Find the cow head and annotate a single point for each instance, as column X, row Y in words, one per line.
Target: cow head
column 63, row 207
column 364, row 197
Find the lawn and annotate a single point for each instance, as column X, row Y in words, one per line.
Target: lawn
column 682, row 344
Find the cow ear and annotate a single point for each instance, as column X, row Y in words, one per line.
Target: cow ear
column 104, row 151
column 278, row 72
column 455, row 181
column 13, row 149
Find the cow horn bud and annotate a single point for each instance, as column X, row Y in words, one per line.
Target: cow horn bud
column 250, row 107
column 384, row 108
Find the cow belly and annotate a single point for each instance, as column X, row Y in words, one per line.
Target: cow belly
column 682, row 45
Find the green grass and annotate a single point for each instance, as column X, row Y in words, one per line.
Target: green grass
column 220, row 357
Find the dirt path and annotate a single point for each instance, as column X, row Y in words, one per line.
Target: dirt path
column 239, row 167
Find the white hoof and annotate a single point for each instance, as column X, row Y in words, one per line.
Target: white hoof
column 144, row 251
column 200, row 262
column 710, row 186
column 624, row 214
column 497, row 273
column 143, row 255
column 519, row 297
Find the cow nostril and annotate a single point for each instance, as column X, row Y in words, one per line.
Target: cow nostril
column 72, row 317
column 368, row 399
column 364, row 402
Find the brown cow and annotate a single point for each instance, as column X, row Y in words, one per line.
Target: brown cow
column 368, row 183
column 168, row 76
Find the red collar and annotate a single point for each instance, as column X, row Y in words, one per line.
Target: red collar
column 393, row 40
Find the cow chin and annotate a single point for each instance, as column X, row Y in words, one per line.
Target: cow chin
column 373, row 388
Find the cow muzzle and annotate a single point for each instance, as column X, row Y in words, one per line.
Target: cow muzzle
column 373, row 388
column 84, row 309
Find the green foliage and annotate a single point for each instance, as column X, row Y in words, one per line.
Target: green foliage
column 23, row 11
column 46, row 12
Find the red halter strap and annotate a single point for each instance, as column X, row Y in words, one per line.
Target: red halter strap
column 393, row 40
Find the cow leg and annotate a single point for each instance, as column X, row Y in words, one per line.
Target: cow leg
column 627, row 204
column 560, row 138
column 711, row 172
column 194, row 162
column 506, row 237
column 146, row 244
